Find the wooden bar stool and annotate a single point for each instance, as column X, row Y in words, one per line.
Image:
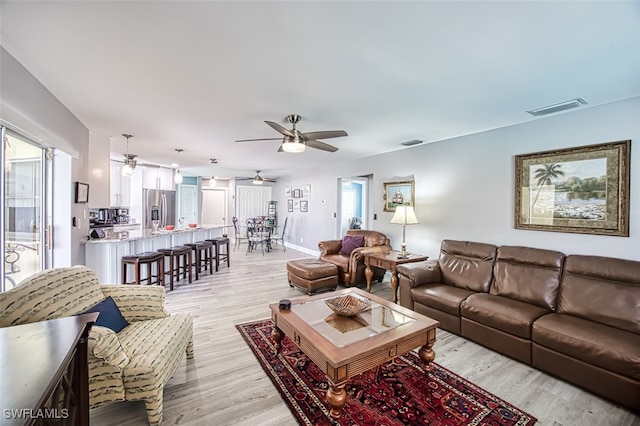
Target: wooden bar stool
column 150, row 259
column 175, row 255
column 202, row 254
column 218, row 244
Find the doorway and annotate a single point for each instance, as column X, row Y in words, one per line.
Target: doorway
column 214, row 206
column 26, row 193
column 353, row 203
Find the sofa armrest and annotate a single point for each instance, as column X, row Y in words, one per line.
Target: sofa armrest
column 103, row 343
column 137, row 302
column 419, row 273
column 329, row 247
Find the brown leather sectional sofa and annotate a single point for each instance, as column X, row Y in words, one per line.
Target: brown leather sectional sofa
column 576, row 317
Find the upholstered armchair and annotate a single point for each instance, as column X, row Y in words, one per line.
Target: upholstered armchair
column 131, row 364
column 346, row 254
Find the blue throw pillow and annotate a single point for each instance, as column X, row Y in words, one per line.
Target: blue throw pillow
column 110, row 316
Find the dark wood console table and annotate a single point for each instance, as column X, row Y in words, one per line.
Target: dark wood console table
column 44, row 372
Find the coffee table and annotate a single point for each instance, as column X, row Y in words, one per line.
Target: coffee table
column 389, row 261
column 343, row 347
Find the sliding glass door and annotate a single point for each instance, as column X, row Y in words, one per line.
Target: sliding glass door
column 26, row 224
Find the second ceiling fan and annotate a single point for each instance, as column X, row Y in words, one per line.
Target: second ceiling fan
column 295, row 141
column 257, row 179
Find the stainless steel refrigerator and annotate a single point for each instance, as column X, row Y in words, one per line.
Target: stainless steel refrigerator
column 159, row 205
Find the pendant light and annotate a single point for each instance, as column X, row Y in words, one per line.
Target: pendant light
column 212, row 181
column 177, row 178
column 129, row 160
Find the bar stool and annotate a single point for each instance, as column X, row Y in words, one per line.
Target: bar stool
column 202, row 254
column 150, row 259
column 175, row 254
column 219, row 243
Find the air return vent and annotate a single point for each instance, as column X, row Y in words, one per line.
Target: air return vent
column 411, row 142
column 550, row 109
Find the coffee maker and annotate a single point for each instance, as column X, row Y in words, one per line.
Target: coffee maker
column 121, row 215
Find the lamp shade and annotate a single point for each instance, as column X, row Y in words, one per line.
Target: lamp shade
column 404, row 215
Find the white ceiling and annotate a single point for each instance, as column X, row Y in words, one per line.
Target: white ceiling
column 199, row 75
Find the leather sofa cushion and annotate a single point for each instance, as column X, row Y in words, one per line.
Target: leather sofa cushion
column 504, row 314
column 606, row 347
column 340, row 260
column 467, row 264
column 527, row 274
column 602, row 289
column 442, row 297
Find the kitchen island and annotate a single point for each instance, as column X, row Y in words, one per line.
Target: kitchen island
column 104, row 255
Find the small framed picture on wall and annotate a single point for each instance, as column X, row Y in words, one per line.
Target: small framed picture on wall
column 289, row 205
column 304, row 206
column 82, row 192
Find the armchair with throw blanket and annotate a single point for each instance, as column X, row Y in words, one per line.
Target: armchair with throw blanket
column 346, row 254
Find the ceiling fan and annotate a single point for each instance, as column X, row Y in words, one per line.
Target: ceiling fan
column 257, row 179
column 295, row 141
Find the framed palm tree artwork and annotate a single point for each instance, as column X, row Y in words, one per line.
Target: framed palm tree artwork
column 581, row 190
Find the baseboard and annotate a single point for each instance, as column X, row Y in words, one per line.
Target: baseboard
column 310, row 252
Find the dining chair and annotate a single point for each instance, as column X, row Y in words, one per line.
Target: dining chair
column 239, row 237
column 254, row 236
column 276, row 238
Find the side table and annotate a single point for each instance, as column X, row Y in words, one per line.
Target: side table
column 388, row 261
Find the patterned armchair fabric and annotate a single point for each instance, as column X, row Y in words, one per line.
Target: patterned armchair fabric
column 133, row 364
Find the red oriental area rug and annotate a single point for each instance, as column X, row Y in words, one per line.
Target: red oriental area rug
column 396, row 393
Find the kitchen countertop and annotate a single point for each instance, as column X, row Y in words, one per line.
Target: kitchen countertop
column 112, row 237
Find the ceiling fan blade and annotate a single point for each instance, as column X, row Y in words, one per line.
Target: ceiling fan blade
column 320, row 145
column 278, row 128
column 261, row 139
column 324, row 134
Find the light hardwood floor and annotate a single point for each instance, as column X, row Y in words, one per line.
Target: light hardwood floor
column 225, row 385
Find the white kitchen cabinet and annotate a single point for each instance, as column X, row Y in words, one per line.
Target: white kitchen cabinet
column 120, row 186
column 157, row 178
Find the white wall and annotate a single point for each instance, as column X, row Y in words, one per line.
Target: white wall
column 465, row 186
column 28, row 108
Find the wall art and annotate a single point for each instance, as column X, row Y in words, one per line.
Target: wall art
column 398, row 194
column 582, row 190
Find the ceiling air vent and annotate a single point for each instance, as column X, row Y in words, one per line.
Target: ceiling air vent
column 550, row 109
column 411, row 142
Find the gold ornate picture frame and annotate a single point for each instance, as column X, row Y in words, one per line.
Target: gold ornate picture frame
column 581, row 190
column 398, row 194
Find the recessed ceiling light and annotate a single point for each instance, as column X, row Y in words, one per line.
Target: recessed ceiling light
column 561, row 106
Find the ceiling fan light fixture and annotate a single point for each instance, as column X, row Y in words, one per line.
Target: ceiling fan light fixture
column 257, row 181
column 292, row 145
column 127, row 170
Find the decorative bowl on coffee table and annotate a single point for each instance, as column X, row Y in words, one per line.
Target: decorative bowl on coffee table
column 348, row 305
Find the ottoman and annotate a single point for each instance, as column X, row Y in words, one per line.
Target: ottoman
column 312, row 275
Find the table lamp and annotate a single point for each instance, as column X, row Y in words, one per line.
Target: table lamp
column 404, row 216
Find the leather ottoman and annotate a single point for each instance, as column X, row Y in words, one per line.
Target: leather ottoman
column 312, row 275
